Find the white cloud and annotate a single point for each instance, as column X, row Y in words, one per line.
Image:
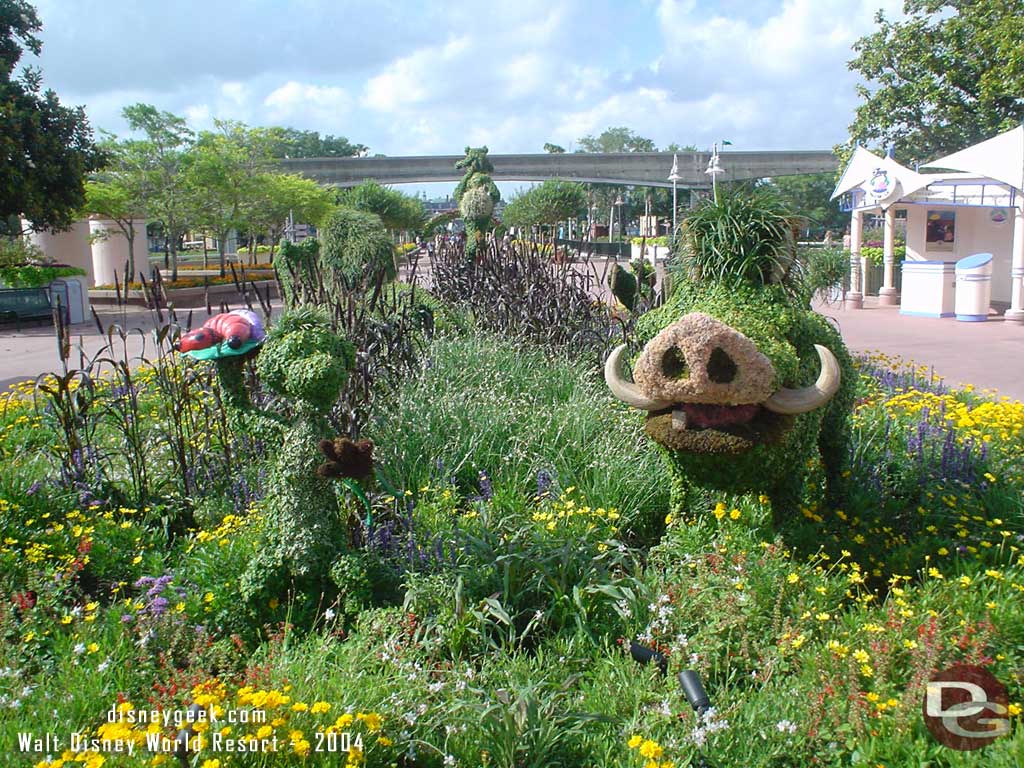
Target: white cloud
column 304, row 102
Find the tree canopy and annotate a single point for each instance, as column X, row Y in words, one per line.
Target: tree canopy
column 396, row 210
column 616, row 140
column 808, row 196
column 546, row 204
column 950, row 75
column 292, row 143
column 46, row 149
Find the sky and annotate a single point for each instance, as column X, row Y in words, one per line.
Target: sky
column 428, row 77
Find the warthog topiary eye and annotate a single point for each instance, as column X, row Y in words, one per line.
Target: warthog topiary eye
column 673, row 364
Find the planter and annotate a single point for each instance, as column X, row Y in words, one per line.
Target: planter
column 188, row 297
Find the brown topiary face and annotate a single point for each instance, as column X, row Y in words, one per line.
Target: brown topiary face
column 708, row 388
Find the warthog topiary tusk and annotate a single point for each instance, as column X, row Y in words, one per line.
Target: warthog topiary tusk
column 626, row 390
column 792, row 401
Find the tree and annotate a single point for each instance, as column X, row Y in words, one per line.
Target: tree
column 399, row 212
column 948, row 76
column 161, row 161
column 808, row 195
column 292, row 143
column 276, row 196
column 547, row 204
column 222, row 177
column 616, row 140
column 117, row 201
column 605, row 195
column 46, row 149
column 553, row 149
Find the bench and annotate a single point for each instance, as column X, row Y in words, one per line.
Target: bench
column 18, row 304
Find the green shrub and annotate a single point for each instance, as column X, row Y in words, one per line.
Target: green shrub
column 824, row 269
column 876, row 255
column 355, row 248
column 35, row 276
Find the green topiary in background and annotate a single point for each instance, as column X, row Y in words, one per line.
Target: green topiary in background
column 355, row 249
column 477, row 195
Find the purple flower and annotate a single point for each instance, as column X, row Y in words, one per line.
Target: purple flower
column 544, row 482
column 486, row 490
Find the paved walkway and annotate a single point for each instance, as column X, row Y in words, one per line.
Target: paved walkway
column 988, row 355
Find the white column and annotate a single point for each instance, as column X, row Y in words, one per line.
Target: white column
column 70, row 247
column 110, row 250
column 855, row 296
column 1015, row 314
column 887, row 293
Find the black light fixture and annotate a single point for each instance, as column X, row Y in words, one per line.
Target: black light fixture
column 643, row 655
column 694, row 691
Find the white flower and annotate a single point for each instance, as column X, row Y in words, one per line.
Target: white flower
column 786, row 726
column 449, row 760
column 103, row 665
column 79, row 649
column 329, row 614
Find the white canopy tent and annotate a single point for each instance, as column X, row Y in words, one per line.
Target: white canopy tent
column 1000, row 158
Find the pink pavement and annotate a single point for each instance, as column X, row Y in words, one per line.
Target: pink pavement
column 989, row 355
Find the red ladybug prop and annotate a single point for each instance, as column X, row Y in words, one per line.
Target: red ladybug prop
column 232, row 328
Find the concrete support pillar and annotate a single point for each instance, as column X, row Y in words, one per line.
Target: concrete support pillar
column 110, row 250
column 71, row 247
column 1015, row 314
column 855, row 296
column 887, row 293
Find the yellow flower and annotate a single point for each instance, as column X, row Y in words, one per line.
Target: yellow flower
column 344, row 721
column 273, row 603
column 1014, row 710
column 793, row 578
column 651, row 750
column 320, row 707
column 734, row 514
column 720, row 510
column 212, row 763
column 384, row 741
column 635, row 741
column 861, row 656
column 372, row 721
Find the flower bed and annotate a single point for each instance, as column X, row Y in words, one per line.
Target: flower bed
column 518, row 544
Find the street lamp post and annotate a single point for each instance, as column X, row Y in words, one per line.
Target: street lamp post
column 713, row 170
column 674, row 177
column 618, row 204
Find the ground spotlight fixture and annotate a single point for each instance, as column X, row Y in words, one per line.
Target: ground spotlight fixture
column 643, row 655
column 694, row 691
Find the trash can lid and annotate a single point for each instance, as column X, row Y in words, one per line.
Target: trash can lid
column 974, row 261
